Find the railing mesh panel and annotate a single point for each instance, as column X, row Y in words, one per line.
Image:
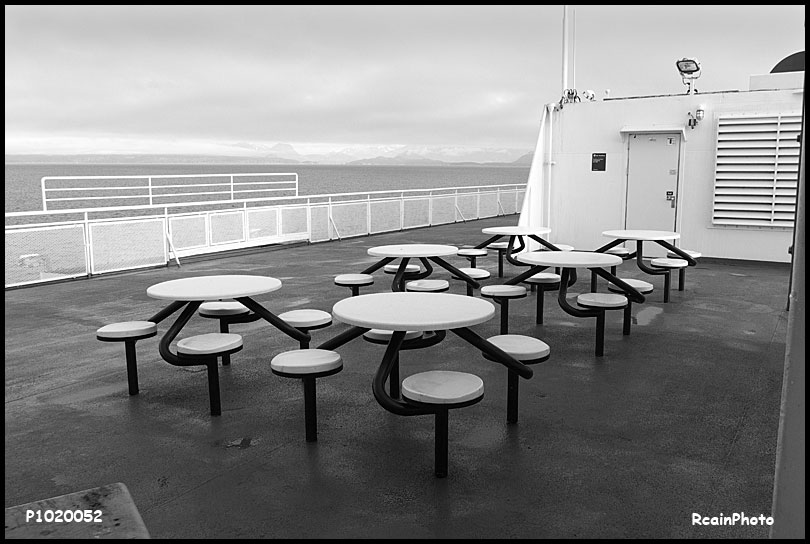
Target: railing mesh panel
column 127, row 244
column 294, row 220
column 262, row 223
column 320, row 227
column 227, row 228
column 467, row 207
column 508, row 202
column 49, row 253
column 188, row 232
column 417, row 213
column 350, row 219
column 444, row 210
column 385, row 216
column 488, row 205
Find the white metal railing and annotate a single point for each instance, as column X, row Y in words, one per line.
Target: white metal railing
column 156, row 189
column 52, row 245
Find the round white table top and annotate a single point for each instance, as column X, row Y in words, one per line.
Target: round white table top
column 569, row 259
column 413, row 250
column 213, row 287
column 642, row 234
column 411, row 311
column 516, row 230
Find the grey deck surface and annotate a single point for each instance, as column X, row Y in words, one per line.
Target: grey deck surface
column 680, row 417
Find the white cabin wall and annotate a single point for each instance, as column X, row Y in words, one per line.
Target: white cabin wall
column 585, row 203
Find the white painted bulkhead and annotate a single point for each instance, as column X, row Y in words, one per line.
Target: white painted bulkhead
column 583, row 203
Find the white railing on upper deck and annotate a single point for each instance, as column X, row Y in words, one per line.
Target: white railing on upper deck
column 72, row 243
column 95, row 191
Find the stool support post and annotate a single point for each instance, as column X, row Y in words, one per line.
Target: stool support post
column 213, row 387
column 600, row 334
column 393, row 379
column 441, row 440
column 541, row 296
column 310, row 409
column 223, row 327
column 681, row 278
column 512, row 397
column 667, row 283
column 593, row 278
column 628, row 316
column 132, row 367
column 504, row 315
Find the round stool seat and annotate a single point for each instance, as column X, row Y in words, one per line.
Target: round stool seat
column 523, row 348
column 620, row 251
column 669, row 263
column 306, row 319
column 222, row 308
column 409, row 268
column 472, row 252
column 601, row 300
column 476, row 273
column 427, row 285
column 209, row 344
column 381, row 335
column 543, row 277
column 442, row 387
column 127, row 330
column 503, row 291
column 354, row 279
column 641, row 286
column 306, row 361
column 498, row 245
column 693, row 254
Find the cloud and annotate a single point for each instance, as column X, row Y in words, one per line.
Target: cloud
column 388, row 75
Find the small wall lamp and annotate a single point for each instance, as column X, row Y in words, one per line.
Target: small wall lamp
column 699, row 114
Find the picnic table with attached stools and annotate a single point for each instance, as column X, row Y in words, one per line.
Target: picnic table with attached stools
column 426, row 253
column 568, row 262
column 516, row 233
column 204, row 349
column 434, row 391
column 661, row 238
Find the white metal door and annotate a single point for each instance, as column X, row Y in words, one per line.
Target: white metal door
column 652, row 184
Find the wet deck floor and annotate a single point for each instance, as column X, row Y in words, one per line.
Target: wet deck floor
column 678, row 418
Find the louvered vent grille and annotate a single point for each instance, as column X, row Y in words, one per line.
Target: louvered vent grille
column 757, row 170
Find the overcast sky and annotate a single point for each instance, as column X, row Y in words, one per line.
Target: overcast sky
column 201, row 78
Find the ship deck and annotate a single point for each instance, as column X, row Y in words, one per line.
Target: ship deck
column 679, row 417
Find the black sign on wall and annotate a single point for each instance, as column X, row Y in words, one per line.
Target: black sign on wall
column 598, row 161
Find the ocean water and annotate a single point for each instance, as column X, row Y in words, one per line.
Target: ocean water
column 22, row 181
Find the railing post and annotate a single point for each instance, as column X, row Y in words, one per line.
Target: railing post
column 368, row 213
column 309, row 221
column 231, row 177
column 402, row 211
column 149, row 188
column 430, row 208
column 329, row 214
column 88, row 246
column 245, row 223
column 44, row 199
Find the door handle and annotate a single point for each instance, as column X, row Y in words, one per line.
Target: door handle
column 671, row 197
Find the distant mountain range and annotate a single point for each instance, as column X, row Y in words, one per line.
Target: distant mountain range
column 281, row 153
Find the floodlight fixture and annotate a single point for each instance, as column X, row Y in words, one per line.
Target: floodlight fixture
column 690, row 71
